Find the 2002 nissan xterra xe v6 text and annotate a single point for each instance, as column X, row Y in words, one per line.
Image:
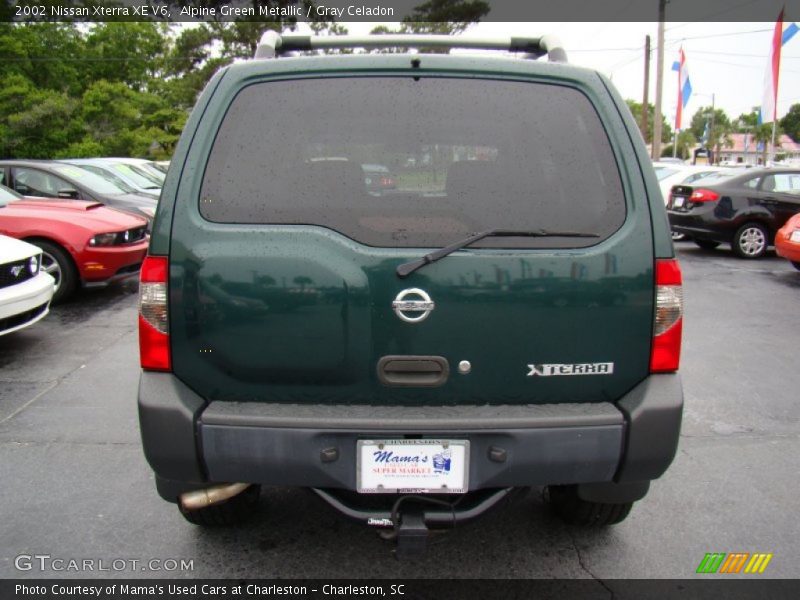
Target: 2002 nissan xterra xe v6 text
column 506, row 314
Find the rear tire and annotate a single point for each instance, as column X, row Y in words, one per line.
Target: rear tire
column 231, row 512
column 707, row 244
column 57, row 262
column 750, row 241
column 565, row 502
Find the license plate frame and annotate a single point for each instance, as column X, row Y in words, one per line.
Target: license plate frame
column 795, row 236
column 396, row 470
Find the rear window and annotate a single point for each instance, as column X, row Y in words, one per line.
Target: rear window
column 464, row 155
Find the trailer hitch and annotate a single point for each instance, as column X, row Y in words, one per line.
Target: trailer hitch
column 410, row 518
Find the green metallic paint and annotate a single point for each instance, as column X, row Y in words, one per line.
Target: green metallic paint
column 303, row 314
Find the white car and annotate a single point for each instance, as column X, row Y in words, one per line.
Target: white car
column 25, row 290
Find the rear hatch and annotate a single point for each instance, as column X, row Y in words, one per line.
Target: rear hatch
column 283, row 265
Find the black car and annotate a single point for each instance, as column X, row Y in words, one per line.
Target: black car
column 744, row 210
column 50, row 179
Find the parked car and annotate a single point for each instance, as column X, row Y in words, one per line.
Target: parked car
column 50, row 179
column 143, row 166
column 119, row 172
column 744, row 210
column 787, row 241
column 378, row 179
column 411, row 371
column 25, row 289
column 82, row 243
column 671, row 173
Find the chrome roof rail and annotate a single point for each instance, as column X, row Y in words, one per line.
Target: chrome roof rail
column 273, row 44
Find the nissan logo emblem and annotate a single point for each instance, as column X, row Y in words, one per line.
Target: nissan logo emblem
column 415, row 301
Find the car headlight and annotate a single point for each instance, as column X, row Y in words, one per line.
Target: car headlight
column 33, row 265
column 103, row 239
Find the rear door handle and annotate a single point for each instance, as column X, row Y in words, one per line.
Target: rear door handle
column 413, row 371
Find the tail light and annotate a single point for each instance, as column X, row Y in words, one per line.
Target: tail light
column 386, row 182
column 154, row 350
column 704, row 195
column 668, row 326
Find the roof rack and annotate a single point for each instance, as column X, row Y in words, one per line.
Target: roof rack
column 273, row 44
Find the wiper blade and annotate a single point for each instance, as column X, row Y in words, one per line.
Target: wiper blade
column 406, row 269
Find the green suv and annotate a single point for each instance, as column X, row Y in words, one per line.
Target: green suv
column 509, row 315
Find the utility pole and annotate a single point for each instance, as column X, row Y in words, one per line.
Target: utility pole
column 711, row 129
column 645, row 96
column 662, row 4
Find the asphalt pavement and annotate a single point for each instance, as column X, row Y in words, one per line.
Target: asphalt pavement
column 75, row 485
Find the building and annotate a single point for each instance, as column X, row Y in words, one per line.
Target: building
column 741, row 148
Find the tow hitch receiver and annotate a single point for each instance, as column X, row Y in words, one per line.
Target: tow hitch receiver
column 408, row 518
column 412, row 535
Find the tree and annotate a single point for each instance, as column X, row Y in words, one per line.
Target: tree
column 636, row 110
column 758, row 134
column 790, row 123
column 712, row 128
column 686, row 142
column 444, row 16
column 127, row 52
column 35, row 121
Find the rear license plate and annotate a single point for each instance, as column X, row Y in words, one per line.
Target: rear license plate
column 412, row 466
column 678, row 201
column 795, row 237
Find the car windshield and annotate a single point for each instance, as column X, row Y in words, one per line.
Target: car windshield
column 93, row 181
column 138, row 177
column 714, row 178
column 664, row 172
column 149, row 171
column 107, row 175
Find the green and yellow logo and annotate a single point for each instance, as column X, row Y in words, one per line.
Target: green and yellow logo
column 734, row 563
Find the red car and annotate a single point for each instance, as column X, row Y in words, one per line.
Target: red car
column 787, row 241
column 81, row 242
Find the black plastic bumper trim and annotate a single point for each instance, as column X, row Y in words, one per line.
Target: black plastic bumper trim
column 653, row 411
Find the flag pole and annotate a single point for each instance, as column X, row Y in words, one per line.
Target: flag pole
column 772, row 151
column 675, row 144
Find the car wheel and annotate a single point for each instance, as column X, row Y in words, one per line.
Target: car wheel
column 566, row 503
column 750, row 241
column 58, row 263
column 230, row 512
column 707, row 244
column 796, row 265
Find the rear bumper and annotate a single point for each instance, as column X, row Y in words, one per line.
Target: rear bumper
column 702, row 225
column 191, row 444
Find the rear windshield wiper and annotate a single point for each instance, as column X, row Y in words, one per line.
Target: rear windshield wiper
column 406, row 269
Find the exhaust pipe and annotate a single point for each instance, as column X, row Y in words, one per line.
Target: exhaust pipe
column 198, row 499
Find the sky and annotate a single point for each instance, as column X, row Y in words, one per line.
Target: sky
column 727, row 60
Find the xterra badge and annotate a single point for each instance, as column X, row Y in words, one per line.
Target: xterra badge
column 575, row 369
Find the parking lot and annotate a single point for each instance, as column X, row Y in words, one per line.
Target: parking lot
column 75, row 484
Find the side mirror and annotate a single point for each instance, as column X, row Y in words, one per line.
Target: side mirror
column 68, row 194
